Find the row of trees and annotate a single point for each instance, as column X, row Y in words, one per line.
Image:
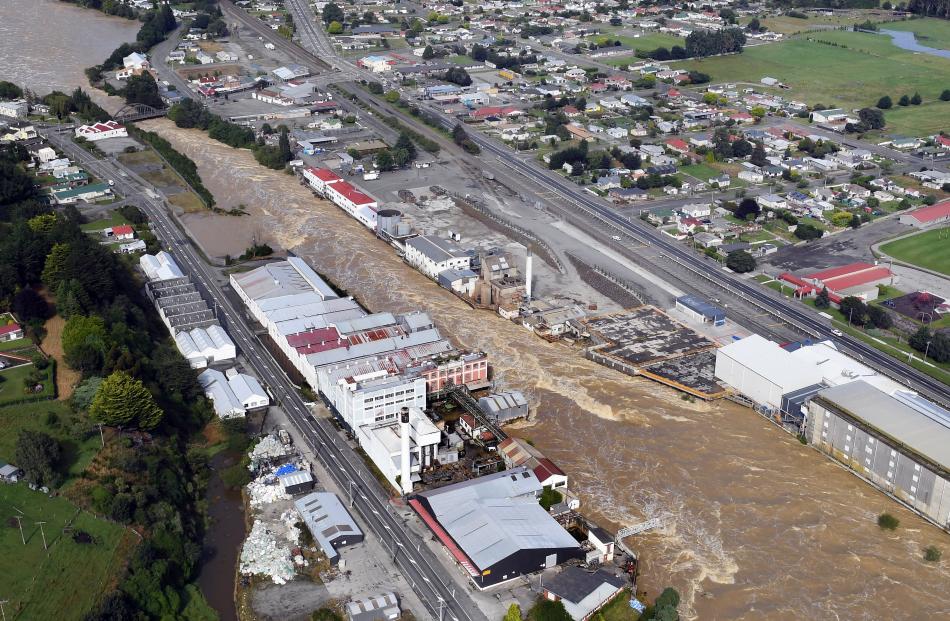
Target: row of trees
column 885, row 102
column 700, row 43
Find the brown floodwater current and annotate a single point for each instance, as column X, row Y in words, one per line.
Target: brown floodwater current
column 763, row 527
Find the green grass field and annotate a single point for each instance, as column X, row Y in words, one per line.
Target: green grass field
column 114, row 219
column 791, row 25
column 849, row 77
column 64, row 582
column 77, row 453
column 23, row 343
column 11, row 383
column 646, row 41
column 703, row 172
column 930, row 249
column 930, row 31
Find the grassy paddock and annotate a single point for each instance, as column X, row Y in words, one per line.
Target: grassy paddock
column 930, row 249
column 11, row 384
column 849, row 77
column 38, row 416
column 930, row 31
column 65, row 582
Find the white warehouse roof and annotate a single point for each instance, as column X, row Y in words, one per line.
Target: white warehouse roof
column 160, row 266
column 283, row 278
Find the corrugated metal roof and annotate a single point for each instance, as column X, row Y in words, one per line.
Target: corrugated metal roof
column 925, row 435
column 283, row 278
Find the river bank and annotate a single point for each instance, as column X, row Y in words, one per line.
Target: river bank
column 764, row 527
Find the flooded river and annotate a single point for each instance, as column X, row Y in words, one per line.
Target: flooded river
column 46, row 45
column 764, row 528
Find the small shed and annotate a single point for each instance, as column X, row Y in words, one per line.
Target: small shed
column 10, row 473
column 383, row 607
column 297, row 482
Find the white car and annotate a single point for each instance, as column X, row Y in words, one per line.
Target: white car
column 837, row 332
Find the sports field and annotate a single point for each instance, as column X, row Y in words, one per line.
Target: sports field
column 930, row 31
column 930, row 249
column 844, row 69
column 64, row 582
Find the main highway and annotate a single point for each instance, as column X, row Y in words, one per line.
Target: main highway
column 497, row 154
column 439, row 592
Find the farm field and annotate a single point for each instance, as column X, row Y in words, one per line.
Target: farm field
column 790, row 25
column 850, row 77
column 930, row 31
column 64, row 583
column 50, row 417
column 930, row 249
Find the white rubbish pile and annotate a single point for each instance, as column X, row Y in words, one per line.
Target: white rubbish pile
column 263, row 555
column 268, row 448
column 264, row 490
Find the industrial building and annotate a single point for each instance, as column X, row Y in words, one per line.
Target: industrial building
column 203, row 347
column 900, row 443
column 517, row 452
column 855, row 279
column 383, row 607
column 504, row 406
column 233, row 394
column 433, row 255
column 403, row 448
column 329, row 522
column 367, row 367
column 701, row 310
column 495, row 528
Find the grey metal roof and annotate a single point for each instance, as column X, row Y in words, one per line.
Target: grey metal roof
column 574, row 583
column 495, row 516
column 926, row 435
column 295, row 478
column 283, row 278
column 503, row 401
column 436, row 248
column 382, row 606
column 327, row 519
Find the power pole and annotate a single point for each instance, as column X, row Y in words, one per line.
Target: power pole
column 3, row 615
column 43, row 534
column 20, row 524
column 102, row 438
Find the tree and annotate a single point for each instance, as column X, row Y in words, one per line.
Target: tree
column 758, row 156
column 807, row 232
column 28, row 304
column 85, row 343
column 405, row 143
column 884, row 103
column 56, row 268
column 549, row 497
column 888, row 522
column 855, row 310
column 9, row 90
column 916, row 100
column 480, row 54
column 932, row 554
column 919, row 339
column 903, row 101
column 142, row 89
column 513, row 614
column 283, row 143
column 945, row 95
column 754, row 25
column 38, row 455
column 335, row 28
column 740, row 261
column 124, row 401
column 879, row 317
column 747, row 207
column 546, row 610
column 392, row 96
column 855, row 222
column 458, row 75
column 871, row 118
column 428, row 53
column 332, row 13
column 822, row 300
column 384, row 160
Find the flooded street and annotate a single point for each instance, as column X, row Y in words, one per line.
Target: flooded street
column 46, row 45
column 764, row 528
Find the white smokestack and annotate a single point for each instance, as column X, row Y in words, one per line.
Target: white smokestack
column 527, row 274
column 405, row 478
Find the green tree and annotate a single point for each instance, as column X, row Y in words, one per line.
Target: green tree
column 332, row 13
column 56, row 268
column 879, row 317
column 124, row 401
column 854, row 310
column 513, row 613
column 85, row 342
column 84, row 393
column 806, row 231
column 550, row 497
column 822, row 300
column 903, row 101
column 384, row 160
column 884, row 103
column 916, row 99
column 945, row 95
column 392, row 96
column 428, row 53
column 888, row 522
column 9, row 90
column 932, row 554
column 919, row 339
column 38, row 455
column 546, row 610
column 283, row 143
column 335, row 28
column 748, row 207
column 142, row 89
column 405, row 143
column 740, row 261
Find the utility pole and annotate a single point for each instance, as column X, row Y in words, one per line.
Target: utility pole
column 102, row 438
column 3, row 615
column 20, row 524
column 43, row 534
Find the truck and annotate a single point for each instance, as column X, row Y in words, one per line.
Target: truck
column 369, row 176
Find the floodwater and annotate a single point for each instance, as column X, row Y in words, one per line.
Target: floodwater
column 763, row 527
column 222, row 543
column 907, row 40
column 46, row 45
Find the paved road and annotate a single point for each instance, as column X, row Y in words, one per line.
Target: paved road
column 443, row 597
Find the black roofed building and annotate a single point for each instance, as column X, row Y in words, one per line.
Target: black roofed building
column 583, row 592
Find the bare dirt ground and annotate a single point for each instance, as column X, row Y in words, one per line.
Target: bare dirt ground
column 66, row 378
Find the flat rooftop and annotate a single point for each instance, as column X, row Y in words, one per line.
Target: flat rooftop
column 644, row 335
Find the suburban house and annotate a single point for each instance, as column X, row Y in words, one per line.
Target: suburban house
column 9, row 473
column 583, row 593
column 123, row 231
column 11, row 332
column 17, row 109
column 133, row 64
column 517, row 452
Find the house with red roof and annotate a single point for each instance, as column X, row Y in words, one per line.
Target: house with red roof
column 855, row 279
column 101, row 131
column 677, row 144
column 517, row 452
column 10, row 332
column 123, row 231
column 320, row 178
column 499, row 111
column 943, row 141
column 927, row 216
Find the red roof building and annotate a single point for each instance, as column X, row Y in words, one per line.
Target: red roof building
column 10, row 332
column 487, row 111
column 927, row 216
column 677, row 144
column 855, row 279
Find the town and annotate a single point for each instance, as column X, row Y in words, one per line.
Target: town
column 268, row 272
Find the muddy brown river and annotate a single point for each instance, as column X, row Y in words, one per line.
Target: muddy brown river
column 763, row 528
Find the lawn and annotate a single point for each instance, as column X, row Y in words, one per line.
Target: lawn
column 646, row 41
column 619, row 609
column 850, row 77
column 114, row 219
column 11, row 383
column 703, row 172
column 930, row 249
column 55, row 419
column 16, row 344
column 791, row 25
column 65, row 582
column 930, row 31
